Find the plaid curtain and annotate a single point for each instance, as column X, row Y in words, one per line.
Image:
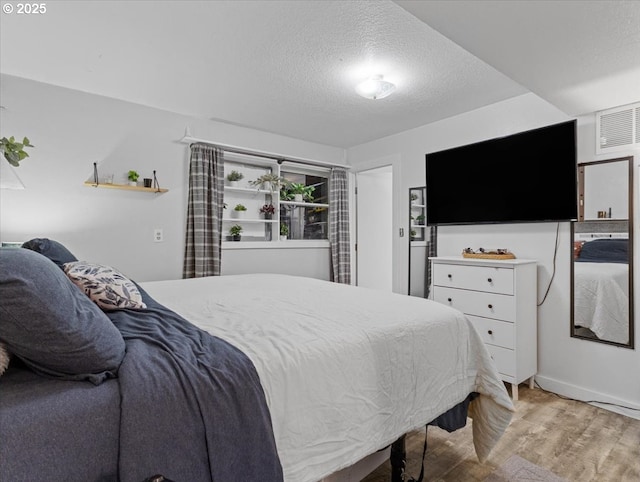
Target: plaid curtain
column 432, row 250
column 203, row 246
column 339, row 226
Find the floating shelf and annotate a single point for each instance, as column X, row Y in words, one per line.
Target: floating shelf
column 126, row 187
column 248, row 220
column 248, row 190
column 304, row 204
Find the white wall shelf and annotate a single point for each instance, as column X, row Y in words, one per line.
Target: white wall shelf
column 248, row 190
column 304, row 204
column 248, row 220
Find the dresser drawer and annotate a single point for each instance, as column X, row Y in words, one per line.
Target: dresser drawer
column 494, row 332
column 487, row 305
column 504, row 359
column 478, row 278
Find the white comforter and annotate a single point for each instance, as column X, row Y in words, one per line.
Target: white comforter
column 346, row 370
column 601, row 299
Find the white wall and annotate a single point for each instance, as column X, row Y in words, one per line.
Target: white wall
column 566, row 365
column 71, row 130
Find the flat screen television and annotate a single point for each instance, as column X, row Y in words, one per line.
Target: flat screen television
column 526, row 177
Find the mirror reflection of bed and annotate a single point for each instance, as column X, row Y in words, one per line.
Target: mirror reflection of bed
column 602, row 305
column 601, row 286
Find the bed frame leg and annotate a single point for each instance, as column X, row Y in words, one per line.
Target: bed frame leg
column 398, row 459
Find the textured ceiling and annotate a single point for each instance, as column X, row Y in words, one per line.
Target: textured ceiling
column 581, row 56
column 290, row 67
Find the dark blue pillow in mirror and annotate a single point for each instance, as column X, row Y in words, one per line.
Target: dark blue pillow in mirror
column 605, row 251
column 50, row 324
column 53, row 250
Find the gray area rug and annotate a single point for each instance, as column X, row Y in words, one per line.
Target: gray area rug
column 517, row 469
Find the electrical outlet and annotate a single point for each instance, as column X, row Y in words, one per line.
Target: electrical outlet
column 158, row 235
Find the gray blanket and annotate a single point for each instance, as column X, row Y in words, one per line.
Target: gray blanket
column 192, row 408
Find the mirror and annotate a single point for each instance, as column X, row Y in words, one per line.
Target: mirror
column 421, row 244
column 602, row 261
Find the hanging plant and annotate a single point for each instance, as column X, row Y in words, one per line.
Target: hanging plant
column 14, row 151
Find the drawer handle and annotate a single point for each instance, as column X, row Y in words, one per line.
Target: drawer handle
column 449, row 276
column 490, row 307
column 490, row 332
column 449, row 300
column 489, row 280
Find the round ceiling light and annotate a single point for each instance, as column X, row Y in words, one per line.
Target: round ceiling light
column 375, row 88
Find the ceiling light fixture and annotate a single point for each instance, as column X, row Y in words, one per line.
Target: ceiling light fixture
column 375, row 88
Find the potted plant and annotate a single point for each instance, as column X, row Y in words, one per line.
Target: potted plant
column 233, row 177
column 268, row 210
column 285, row 195
column 269, row 182
column 413, row 234
column 300, row 192
column 14, row 151
column 420, row 219
column 133, row 178
column 239, row 211
column 414, row 198
column 235, row 232
column 284, row 231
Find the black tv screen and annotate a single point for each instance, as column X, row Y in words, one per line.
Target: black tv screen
column 526, row 177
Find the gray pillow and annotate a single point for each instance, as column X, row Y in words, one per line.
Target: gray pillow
column 51, row 324
column 53, row 250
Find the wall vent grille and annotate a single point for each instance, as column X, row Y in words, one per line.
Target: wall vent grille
column 618, row 129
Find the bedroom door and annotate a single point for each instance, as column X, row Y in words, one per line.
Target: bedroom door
column 374, row 229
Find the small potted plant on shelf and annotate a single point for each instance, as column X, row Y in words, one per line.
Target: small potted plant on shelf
column 14, row 151
column 133, row 176
column 268, row 210
column 269, row 182
column 414, row 198
column 233, row 177
column 284, row 231
column 239, row 211
column 420, row 219
column 235, row 232
column 413, row 234
column 300, row 192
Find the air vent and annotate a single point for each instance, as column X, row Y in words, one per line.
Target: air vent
column 618, row 129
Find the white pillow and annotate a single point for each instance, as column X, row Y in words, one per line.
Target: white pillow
column 104, row 285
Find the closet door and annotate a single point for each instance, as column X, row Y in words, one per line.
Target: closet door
column 374, row 203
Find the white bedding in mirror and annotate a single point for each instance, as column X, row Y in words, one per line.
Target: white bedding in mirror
column 601, row 299
column 345, row 370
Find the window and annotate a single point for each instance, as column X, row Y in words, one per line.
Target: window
column 306, row 218
column 299, row 217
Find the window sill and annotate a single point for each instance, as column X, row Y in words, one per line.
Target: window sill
column 288, row 244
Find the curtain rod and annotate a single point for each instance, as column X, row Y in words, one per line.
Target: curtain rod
column 267, row 155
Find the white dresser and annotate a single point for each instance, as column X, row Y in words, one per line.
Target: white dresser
column 499, row 298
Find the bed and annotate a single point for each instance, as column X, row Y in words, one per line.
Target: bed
column 247, row 377
column 601, row 288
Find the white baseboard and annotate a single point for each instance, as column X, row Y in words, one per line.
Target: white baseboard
column 589, row 396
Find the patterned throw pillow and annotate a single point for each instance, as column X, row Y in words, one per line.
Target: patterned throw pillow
column 106, row 286
column 4, row 358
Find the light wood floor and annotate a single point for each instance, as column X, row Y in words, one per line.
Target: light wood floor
column 574, row 440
